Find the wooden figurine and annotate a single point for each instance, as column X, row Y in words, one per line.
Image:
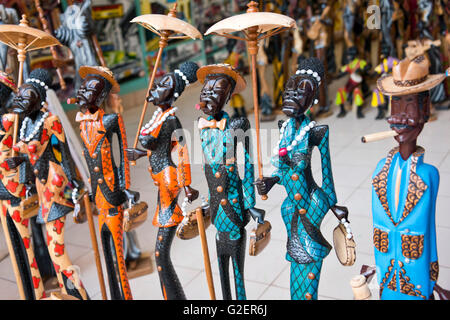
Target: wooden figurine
column 318, row 34
column 405, row 189
column 156, row 136
column 13, row 195
column 379, row 101
column 353, row 91
column 109, row 183
column 43, row 142
column 231, row 199
column 306, row 204
column 75, row 32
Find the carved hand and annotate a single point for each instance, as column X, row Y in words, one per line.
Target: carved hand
column 134, row 154
column 14, row 162
column 265, row 184
column 257, row 214
column 340, row 212
column 132, row 196
column 191, row 193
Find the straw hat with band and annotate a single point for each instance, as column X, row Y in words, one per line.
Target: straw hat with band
column 101, row 71
column 223, row 68
column 8, row 81
column 409, row 77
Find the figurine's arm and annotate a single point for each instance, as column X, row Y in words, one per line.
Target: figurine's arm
column 319, row 136
column 124, row 167
column 184, row 166
column 59, row 142
column 241, row 127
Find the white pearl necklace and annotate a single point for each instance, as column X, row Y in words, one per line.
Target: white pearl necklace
column 153, row 124
column 297, row 139
column 36, row 128
column 185, row 202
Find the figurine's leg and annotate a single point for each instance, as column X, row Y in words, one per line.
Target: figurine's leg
column 341, row 98
column 40, row 250
column 238, row 259
column 305, row 280
column 170, row 284
column 68, row 279
column 111, row 230
column 358, row 100
column 223, row 259
column 19, row 234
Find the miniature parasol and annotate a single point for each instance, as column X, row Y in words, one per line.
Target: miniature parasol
column 23, row 38
column 166, row 27
column 255, row 26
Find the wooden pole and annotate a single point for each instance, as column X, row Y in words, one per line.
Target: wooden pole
column 13, row 257
column 206, row 260
column 98, row 262
column 253, row 52
column 163, row 42
column 46, row 28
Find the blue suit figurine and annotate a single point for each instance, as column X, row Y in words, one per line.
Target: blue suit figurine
column 306, row 204
column 405, row 190
column 231, row 199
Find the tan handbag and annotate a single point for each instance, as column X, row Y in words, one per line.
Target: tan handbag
column 134, row 216
column 259, row 238
column 30, row 206
column 188, row 228
column 345, row 248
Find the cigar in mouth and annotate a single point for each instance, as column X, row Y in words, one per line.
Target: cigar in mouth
column 200, row 105
column 72, row 101
column 378, row 136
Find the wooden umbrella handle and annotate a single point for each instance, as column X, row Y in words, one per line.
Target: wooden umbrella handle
column 162, row 45
column 98, row 262
column 201, row 230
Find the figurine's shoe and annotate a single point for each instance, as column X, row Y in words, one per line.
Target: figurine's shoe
column 381, row 114
column 359, row 113
column 342, row 112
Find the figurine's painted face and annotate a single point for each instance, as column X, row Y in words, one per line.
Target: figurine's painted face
column 27, row 101
column 161, row 94
column 298, row 95
column 215, row 94
column 408, row 116
column 90, row 94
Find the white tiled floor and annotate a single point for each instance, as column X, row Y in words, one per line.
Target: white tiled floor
column 267, row 275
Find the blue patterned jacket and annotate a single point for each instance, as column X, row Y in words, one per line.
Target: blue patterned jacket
column 229, row 196
column 404, row 235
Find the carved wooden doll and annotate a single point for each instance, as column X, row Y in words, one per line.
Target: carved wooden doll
column 306, row 204
column 160, row 136
column 75, row 32
column 405, row 190
column 231, row 199
column 13, row 191
column 379, row 101
column 109, row 182
column 43, row 142
column 353, row 91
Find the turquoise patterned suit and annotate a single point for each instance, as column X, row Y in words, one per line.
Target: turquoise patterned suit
column 305, row 206
column 405, row 234
column 229, row 196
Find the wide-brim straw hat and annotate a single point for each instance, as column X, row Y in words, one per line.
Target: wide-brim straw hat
column 8, row 81
column 102, row 71
column 223, row 68
column 409, row 77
